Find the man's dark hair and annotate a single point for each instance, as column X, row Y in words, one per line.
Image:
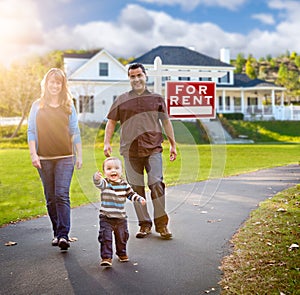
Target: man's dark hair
column 136, row 66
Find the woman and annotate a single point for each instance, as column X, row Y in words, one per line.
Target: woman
column 55, row 146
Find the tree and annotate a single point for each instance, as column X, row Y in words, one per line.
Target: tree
column 293, row 55
column 23, row 88
column 20, row 85
column 282, row 74
column 125, row 61
column 250, row 70
column 240, row 63
column 262, row 73
column 297, row 61
column 269, row 57
column 288, row 79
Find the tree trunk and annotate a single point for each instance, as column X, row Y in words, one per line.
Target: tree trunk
column 25, row 112
column 18, row 128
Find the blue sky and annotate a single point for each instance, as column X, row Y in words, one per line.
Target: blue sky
column 130, row 28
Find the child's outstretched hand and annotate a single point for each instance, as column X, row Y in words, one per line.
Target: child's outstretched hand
column 143, row 201
column 98, row 175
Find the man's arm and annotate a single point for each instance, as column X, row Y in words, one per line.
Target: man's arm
column 109, row 131
column 170, row 135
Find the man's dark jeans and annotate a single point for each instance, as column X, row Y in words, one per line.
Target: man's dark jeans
column 135, row 167
column 120, row 229
column 56, row 177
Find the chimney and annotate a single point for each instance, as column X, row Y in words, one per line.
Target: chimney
column 225, row 55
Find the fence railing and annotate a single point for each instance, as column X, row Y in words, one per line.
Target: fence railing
column 263, row 112
column 10, row 121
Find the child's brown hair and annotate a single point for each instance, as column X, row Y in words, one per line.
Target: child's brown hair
column 111, row 159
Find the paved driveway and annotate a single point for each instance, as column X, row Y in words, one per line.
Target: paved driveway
column 204, row 216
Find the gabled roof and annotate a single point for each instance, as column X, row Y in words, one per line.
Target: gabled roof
column 242, row 80
column 179, row 55
column 80, row 72
column 86, row 55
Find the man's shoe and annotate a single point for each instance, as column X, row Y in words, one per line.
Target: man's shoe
column 164, row 233
column 63, row 244
column 144, row 232
column 54, row 241
column 106, row 262
column 123, row 258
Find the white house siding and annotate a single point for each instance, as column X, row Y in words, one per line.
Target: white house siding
column 86, row 81
column 89, row 71
column 104, row 94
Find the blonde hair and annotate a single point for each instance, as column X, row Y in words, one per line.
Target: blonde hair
column 65, row 98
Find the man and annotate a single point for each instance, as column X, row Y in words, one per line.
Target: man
column 141, row 114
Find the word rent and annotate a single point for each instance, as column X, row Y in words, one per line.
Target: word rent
column 191, row 95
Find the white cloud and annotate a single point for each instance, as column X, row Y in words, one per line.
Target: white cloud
column 267, row 19
column 192, row 4
column 127, row 37
column 138, row 30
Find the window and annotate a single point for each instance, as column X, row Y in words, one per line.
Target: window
column 225, row 78
column 184, row 78
column 205, row 79
column 220, row 101
column 252, row 101
column 103, row 69
column 86, row 104
column 227, row 102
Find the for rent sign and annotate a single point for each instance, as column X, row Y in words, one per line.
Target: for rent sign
column 191, row 99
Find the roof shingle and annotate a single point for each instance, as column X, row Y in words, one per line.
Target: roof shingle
column 179, row 55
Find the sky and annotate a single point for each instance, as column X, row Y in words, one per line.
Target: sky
column 130, row 28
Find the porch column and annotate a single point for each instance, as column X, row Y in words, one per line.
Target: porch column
column 223, row 100
column 273, row 102
column 282, row 99
column 242, row 102
column 232, row 106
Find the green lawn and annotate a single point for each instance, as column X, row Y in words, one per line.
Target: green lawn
column 268, row 131
column 263, row 260
column 21, row 194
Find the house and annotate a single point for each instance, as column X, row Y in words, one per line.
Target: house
column 235, row 93
column 97, row 78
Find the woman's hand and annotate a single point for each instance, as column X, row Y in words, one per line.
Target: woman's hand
column 35, row 160
column 78, row 162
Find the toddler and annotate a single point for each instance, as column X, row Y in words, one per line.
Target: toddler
column 114, row 191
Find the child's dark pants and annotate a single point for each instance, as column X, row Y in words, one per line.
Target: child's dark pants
column 120, row 229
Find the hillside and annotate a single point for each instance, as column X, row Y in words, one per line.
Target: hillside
column 264, row 131
column 283, row 70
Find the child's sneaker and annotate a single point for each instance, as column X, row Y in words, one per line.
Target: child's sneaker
column 106, row 262
column 63, row 244
column 123, row 258
column 54, row 241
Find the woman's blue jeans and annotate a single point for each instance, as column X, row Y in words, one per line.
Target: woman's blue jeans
column 56, row 176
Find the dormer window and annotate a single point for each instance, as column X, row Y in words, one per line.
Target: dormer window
column 103, row 69
column 225, row 78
